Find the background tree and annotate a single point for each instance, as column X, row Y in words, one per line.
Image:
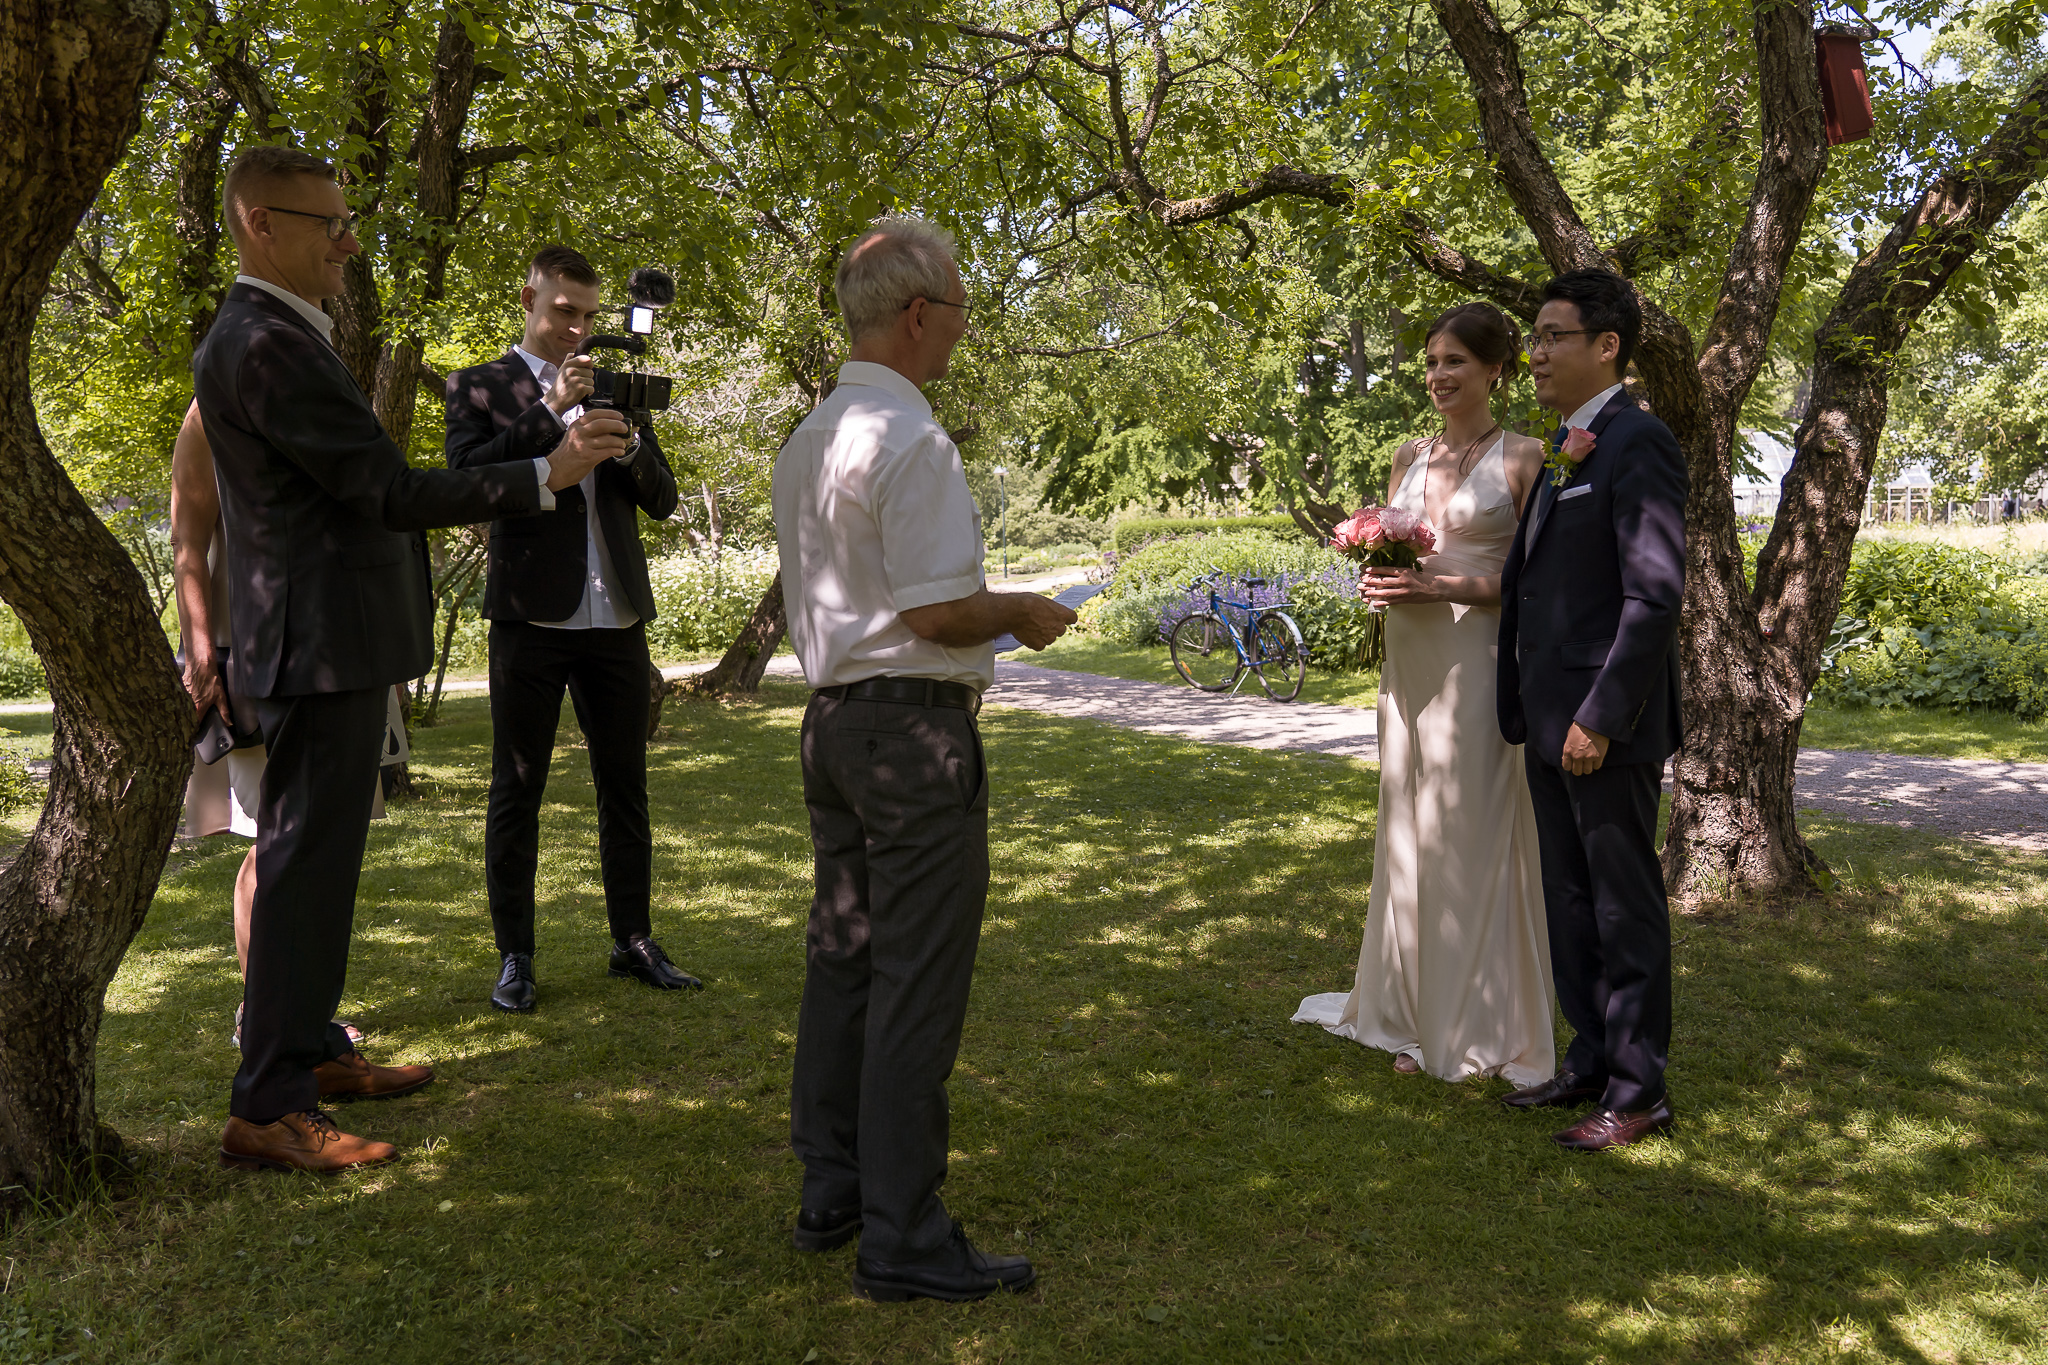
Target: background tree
column 73, row 897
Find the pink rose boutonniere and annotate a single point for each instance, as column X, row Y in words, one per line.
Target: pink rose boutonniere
column 1566, row 456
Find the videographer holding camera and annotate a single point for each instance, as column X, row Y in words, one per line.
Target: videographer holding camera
column 568, row 600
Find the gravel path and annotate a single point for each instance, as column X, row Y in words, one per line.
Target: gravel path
column 2003, row 803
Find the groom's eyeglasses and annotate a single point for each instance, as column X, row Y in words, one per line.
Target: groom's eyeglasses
column 1548, row 339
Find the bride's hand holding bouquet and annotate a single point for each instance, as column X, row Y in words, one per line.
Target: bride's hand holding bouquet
column 1386, row 543
column 1382, row 539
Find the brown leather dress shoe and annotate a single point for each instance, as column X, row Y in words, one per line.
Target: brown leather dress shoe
column 1564, row 1090
column 299, row 1142
column 353, row 1078
column 1605, row 1128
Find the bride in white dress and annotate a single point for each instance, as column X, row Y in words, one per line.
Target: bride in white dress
column 1454, row 973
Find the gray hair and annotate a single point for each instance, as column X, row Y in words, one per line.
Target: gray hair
column 899, row 259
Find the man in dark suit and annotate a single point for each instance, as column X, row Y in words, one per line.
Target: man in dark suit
column 568, row 600
column 332, row 604
column 1590, row 597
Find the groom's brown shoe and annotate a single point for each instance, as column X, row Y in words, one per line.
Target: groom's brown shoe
column 299, row 1142
column 1605, row 1128
column 1564, row 1090
column 351, row 1077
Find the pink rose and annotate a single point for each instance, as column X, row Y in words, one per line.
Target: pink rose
column 1578, row 444
column 1399, row 524
column 1424, row 538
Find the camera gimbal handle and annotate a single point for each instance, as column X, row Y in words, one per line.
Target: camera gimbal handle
column 632, row 345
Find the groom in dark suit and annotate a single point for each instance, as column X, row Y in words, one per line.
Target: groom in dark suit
column 1588, row 666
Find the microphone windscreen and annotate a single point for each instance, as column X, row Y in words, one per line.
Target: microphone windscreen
column 652, row 287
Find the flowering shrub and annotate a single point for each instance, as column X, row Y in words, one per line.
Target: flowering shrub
column 1150, row 591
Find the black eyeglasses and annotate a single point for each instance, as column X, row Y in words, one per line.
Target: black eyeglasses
column 966, row 309
column 1543, row 341
column 338, row 226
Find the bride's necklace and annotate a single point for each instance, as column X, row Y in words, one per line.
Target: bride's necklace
column 1463, row 465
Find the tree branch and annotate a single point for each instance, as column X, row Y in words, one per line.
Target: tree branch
column 1793, row 155
column 1507, row 292
column 1495, row 67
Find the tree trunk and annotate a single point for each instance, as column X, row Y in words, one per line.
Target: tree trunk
column 746, row 659
column 71, row 77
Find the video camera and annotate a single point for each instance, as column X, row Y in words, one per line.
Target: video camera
column 636, row 397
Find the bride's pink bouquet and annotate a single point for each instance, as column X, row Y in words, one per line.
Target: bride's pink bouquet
column 1383, row 538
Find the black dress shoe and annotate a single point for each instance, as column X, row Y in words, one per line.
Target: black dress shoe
column 1605, row 1128
column 641, row 957
column 515, row 991
column 956, row 1272
column 1565, row 1089
column 824, row 1229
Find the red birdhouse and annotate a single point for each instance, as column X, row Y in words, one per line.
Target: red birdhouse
column 1844, row 87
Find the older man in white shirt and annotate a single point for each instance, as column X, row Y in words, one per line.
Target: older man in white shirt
column 881, row 572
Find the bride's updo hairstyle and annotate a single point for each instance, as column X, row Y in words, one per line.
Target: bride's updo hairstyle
column 1486, row 332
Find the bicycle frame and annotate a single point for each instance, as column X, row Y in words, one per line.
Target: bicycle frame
column 1245, row 667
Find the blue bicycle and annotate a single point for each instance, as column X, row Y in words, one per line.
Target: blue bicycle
column 1209, row 652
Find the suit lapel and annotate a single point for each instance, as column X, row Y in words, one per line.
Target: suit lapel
column 525, row 386
column 1546, row 495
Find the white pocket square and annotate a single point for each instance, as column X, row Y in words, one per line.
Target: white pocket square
column 1580, row 491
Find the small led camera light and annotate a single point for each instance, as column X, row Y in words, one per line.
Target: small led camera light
column 640, row 319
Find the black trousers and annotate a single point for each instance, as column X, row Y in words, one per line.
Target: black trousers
column 606, row 674
column 898, row 800
column 312, row 825
column 1610, row 924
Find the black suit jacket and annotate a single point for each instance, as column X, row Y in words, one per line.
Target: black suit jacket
column 538, row 565
column 1590, row 597
column 332, row 591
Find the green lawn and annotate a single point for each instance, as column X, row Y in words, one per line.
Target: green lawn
column 1861, row 1171
column 1944, row 734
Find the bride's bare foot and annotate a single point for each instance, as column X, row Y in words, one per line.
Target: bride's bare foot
column 1405, row 1064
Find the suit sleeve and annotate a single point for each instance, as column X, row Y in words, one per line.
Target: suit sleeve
column 472, row 440
column 1507, row 697
column 654, row 483
column 300, row 401
column 1649, row 534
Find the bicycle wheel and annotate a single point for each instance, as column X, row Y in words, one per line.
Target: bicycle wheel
column 1279, row 655
column 1203, row 652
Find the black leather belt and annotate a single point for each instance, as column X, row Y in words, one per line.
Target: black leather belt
column 909, row 692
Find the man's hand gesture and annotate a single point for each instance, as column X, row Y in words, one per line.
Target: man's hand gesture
column 1041, row 620
column 597, row 436
column 572, row 384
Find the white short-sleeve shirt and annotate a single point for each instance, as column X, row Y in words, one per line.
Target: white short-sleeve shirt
column 873, row 517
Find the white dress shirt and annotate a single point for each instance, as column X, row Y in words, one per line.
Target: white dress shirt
column 324, row 325
column 873, row 517
column 1591, row 407
column 602, row 608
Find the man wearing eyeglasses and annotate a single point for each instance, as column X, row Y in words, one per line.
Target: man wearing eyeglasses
column 332, row 603
column 1588, row 662
column 890, row 617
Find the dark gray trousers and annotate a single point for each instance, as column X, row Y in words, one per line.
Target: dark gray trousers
column 319, row 784
column 1610, row 924
column 898, row 800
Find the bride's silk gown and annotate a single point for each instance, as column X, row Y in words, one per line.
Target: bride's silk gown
column 1455, row 967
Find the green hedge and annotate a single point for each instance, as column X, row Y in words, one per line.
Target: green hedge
column 1127, row 536
column 1927, row 624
